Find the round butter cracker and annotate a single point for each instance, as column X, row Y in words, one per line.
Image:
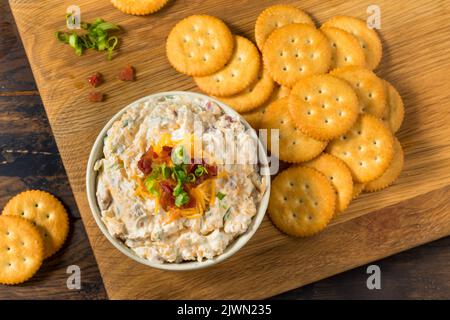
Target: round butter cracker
column 323, row 107
column 367, row 149
column 345, row 48
column 294, row 146
column 46, row 212
column 368, row 39
column 199, row 45
column 302, row 201
column 339, row 176
column 253, row 96
column 296, row 51
column 21, row 249
column 238, row 73
column 275, row 17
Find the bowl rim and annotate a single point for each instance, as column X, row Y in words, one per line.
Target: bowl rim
column 91, row 178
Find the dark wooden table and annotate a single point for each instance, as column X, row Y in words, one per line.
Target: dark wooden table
column 29, row 159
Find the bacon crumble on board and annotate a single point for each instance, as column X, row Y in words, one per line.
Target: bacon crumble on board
column 96, row 79
column 127, row 73
column 95, row 96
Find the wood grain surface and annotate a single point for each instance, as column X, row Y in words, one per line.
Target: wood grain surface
column 415, row 36
column 29, row 159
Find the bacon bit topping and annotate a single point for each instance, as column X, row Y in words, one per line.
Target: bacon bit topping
column 95, row 96
column 145, row 163
column 96, row 79
column 127, row 73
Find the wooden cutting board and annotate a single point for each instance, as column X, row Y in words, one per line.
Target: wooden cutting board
column 416, row 40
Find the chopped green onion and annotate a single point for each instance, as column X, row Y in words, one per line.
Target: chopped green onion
column 97, row 37
column 200, row 170
column 220, row 195
column 191, row 177
column 150, row 185
column 227, row 214
column 165, row 171
column 180, row 173
column 181, row 199
column 178, row 189
column 111, row 46
column 105, row 26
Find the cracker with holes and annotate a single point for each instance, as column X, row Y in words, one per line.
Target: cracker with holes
column 392, row 172
column 199, row 45
column 275, row 17
column 139, row 8
column 21, row 250
column 253, row 96
column 367, row 149
column 294, row 146
column 395, row 111
column 302, row 201
column 345, row 48
column 357, row 189
column 323, row 107
column 369, row 88
column 339, row 175
column 46, row 212
column 368, row 39
column 296, row 51
column 238, row 74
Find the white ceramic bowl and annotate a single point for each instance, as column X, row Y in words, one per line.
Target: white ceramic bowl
column 91, row 179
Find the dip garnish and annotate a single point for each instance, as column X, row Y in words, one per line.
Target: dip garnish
column 97, row 37
column 179, row 187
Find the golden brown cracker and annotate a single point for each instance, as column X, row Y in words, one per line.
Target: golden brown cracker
column 46, row 212
column 369, row 88
column 367, row 149
column 345, row 48
column 253, row 96
column 275, row 17
column 339, row 176
column 395, row 111
column 139, row 7
column 294, row 146
column 238, row 73
column 302, row 201
column 199, row 45
column 323, row 107
column 367, row 38
column 392, row 172
column 296, row 51
column 21, row 249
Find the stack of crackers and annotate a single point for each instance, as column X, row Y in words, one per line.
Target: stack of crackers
column 336, row 118
column 33, row 226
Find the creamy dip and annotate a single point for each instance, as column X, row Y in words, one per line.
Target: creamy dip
column 137, row 219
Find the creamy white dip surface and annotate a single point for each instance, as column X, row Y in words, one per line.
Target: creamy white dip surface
column 138, row 220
